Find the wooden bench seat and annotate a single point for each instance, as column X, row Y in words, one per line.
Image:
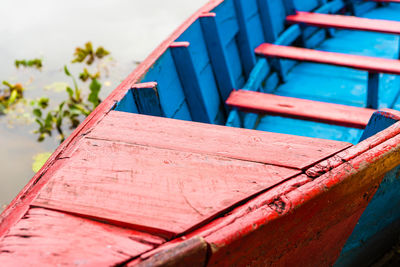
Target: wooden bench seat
column 370, row 64
column 373, row 65
column 296, row 108
column 345, row 22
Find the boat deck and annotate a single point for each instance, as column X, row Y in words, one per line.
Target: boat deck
column 158, row 179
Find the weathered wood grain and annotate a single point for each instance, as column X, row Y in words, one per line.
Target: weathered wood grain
column 357, row 150
column 302, row 109
column 163, row 191
column 270, row 148
column 317, row 217
column 50, row 238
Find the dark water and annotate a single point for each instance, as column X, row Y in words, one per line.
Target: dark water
column 50, row 29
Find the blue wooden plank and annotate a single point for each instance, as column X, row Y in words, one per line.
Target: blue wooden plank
column 363, row 7
column 169, row 86
column 218, row 55
column 227, row 21
column 271, row 83
column 308, row 129
column 146, row 99
column 204, row 72
column 373, row 90
column 190, row 82
column 283, row 66
column 245, row 33
column 254, row 83
column 302, row 5
column 379, row 121
column 127, row 103
column 234, row 119
column 228, row 26
column 273, row 17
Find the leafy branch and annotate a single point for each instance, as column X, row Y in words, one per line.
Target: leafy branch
column 33, row 63
column 75, row 107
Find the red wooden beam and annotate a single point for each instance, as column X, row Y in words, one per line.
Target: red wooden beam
column 371, row 64
column 300, row 109
column 345, row 22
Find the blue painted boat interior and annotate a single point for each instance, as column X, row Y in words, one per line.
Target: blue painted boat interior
column 194, row 79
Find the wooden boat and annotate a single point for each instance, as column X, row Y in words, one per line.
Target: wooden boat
column 154, row 177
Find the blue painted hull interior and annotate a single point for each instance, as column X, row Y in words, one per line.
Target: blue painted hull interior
column 216, row 55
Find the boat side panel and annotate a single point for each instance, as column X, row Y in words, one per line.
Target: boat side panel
column 308, row 5
column 169, row 87
column 360, row 8
column 365, row 245
column 316, row 217
column 204, row 73
column 251, row 32
column 274, row 24
column 127, row 103
column 228, row 24
column 381, row 212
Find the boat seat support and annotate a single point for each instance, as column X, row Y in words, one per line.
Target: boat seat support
column 146, row 99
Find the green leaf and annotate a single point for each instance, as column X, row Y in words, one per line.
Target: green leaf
column 2, row 108
column 37, row 112
column 66, row 71
column 101, row 52
column 40, row 123
column 70, row 92
column 13, row 97
column 39, row 160
column 59, row 121
column 93, row 97
column 48, row 122
column 7, row 84
column 43, row 102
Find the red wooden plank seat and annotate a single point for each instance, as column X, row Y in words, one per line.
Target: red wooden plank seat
column 370, row 64
column 296, row 108
column 373, row 65
column 345, row 22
